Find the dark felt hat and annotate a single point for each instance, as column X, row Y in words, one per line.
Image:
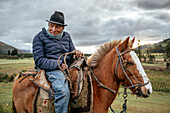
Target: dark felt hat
column 57, row 18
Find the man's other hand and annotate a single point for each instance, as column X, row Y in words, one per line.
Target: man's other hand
column 78, row 53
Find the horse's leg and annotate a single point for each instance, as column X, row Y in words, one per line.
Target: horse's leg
column 30, row 98
column 18, row 97
column 20, row 108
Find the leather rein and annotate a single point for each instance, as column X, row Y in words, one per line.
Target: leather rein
column 120, row 60
column 123, row 66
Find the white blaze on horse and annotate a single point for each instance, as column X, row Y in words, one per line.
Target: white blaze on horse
column 113, row 64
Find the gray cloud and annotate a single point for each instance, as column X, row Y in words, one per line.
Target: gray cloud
column 152, row 5
column 89, row 22
column 163, row 16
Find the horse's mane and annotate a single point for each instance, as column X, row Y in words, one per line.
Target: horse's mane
column 95, row 58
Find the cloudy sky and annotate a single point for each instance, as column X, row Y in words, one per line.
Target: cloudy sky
column 90, row 22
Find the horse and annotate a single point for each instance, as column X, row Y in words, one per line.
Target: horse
column 113, row 64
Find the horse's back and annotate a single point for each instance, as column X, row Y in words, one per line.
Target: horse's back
column 23, row 94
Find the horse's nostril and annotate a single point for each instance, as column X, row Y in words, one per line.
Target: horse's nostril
column 148, row 92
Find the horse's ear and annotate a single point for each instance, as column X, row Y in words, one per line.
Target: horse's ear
column 131, row 42
column 124, row 44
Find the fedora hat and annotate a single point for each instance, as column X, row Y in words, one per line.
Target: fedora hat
column 57, row 18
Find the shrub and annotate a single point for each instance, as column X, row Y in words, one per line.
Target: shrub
column 3, row 77
column 6, row 78
column 12, row 57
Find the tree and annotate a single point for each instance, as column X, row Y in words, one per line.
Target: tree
column 9, row 52
column 167, row 50
column 14, row 52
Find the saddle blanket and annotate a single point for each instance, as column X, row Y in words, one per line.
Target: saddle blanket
column 81, row 104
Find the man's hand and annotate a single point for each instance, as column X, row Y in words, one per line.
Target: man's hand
column 78, row 53
column 63, row 66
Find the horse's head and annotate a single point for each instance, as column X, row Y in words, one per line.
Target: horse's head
column 129, row 70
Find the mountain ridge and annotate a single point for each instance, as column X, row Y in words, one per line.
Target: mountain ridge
column 4, row 48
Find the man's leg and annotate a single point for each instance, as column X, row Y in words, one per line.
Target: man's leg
column 60, row 86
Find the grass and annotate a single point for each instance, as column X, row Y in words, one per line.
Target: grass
column 15, row 66
column 160, row 80
column 158, row 102
column 6, row 97
column 155, row 64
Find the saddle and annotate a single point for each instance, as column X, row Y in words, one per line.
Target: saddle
column 81, row 99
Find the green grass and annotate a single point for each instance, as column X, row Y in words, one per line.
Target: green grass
column 5, row 97
column 154, row 64
column 15, row 66
column 160, row 80
column 158, row 102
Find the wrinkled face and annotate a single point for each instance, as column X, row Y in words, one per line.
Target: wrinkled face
column 55, row 29
column 139, row 76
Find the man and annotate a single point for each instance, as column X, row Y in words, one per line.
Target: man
column 48, row 45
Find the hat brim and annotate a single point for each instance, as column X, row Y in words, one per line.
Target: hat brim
column 56, row 23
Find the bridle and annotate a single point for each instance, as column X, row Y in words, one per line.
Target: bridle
column 123, row 64
column 124, row 67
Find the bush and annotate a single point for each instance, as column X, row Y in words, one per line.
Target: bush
column 12, row 57
column 6, row 78
column 3, row 56
column 3, row 77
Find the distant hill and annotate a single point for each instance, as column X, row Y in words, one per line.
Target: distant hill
column 155, row 46
column 5, row 47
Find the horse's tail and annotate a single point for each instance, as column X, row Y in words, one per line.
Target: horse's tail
column 13, row 107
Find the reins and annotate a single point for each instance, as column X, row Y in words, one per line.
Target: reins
column 120, row 60
column 66, row 75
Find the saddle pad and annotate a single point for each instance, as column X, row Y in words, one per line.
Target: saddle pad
column 82, row 104
column 42, row 105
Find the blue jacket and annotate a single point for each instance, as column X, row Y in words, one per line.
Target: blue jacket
column 47, row 50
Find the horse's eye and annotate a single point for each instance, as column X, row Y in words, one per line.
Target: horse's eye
column 130, row 63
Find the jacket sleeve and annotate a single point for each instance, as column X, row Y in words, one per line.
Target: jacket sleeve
column 39, row 56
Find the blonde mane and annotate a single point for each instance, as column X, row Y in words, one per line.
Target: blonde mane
column 95, row 58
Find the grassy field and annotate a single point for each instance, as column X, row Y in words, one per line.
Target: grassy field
column 155, row 64
column 158, row 102
column 6, row 97
column 15, row 66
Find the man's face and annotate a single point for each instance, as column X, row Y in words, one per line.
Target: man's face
column 55, row 29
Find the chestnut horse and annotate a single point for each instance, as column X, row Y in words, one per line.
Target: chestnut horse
column 113, row 64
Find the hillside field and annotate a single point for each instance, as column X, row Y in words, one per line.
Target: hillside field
column 158, row 102
column 15, row 66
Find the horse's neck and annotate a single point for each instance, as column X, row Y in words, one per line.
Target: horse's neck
column 104, row 72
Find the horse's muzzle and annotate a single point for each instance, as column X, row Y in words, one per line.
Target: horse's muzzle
column 142, row 92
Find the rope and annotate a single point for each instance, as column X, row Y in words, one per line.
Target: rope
column 68, row 74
